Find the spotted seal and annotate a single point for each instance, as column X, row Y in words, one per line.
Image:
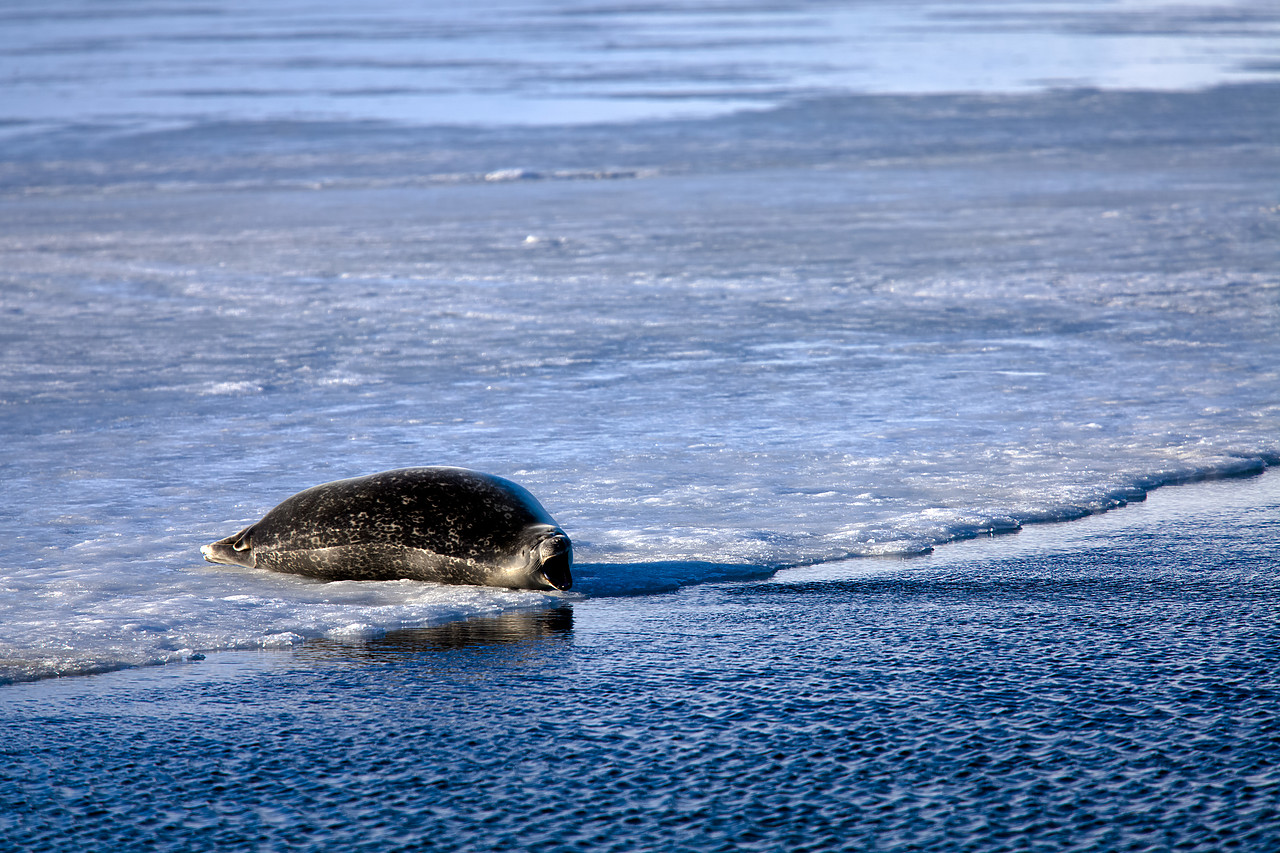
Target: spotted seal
column 448, row 525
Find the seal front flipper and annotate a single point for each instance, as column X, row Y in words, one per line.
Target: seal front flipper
column 235, row 550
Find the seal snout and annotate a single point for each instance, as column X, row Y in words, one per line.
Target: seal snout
column 555, row 558
column 235, row 550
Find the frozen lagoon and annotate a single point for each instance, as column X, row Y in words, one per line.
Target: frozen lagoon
column 752, row 333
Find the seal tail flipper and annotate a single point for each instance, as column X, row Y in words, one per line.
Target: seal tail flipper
column 235, row 550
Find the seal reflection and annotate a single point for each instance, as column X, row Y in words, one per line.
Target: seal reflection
column 531, row 630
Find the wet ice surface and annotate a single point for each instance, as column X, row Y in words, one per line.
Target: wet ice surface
column 567, row 62
column 852, row 326
column 1106, row 685
column 832, row 325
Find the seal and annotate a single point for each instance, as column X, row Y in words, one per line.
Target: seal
column 447, row 525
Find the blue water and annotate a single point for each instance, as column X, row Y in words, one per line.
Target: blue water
column 743, row 294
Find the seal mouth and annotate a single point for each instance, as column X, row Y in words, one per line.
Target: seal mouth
column 556, row 556
column 555, row 573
